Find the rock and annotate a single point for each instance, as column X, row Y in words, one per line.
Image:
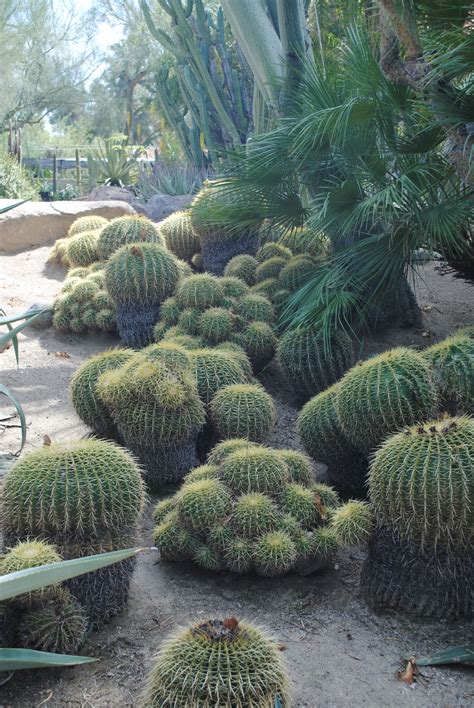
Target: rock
column 162, row 205
column 44, row 320
column 104, row 193
column 422, row 256
column 37, row 223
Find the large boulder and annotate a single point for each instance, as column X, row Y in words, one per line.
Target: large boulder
column 162, row 205
column 37, row 223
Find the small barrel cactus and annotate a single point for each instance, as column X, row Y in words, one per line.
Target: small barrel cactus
column 232, row 663
column 243, row 267
column 58, row 625
column 323, row 439
column 259, row 343
column 85, row 497
column 273, row 250
column 179, row 235
column 127, row 230
column 85, row 399
column 381, row 395
column 30, row 554
column 255, row 308
column 270, row 268
column 156, row 407
column 220, row 242
column 138, row 278
column 200, row 291
column 453, row 370
column 215, row 325
column 213, row 369
column 296, row 273
column 81, row 250
column 421, row 552
column 310, row 363
column 234, row 287
column 243, row 411
column 87, row 223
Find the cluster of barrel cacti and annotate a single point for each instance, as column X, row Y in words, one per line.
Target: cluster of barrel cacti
column 84, row 304
column 68, row 500
column 250, row 508
column 79, row 247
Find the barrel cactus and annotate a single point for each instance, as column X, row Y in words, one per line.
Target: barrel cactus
column 323, row 439
column 296, row 273
column 138, row 278
column 200, row 291
column 259, row 342
column 84, row 497
column 421, row 552
column 84, row 396
column 249, row 508
column 243, row 267
column 233, row 664
column 270, row 268
column 219, row 241
column 453, row 370
column 179, row 235
column 273, row 250
column 87, row 223
column 215, row 325
column 81, row 250
column 214, row 369
column 30, row 554
column 243, row 411
column 381, row 395
column 155, row 404
column 255, row 308
column 127, row 230
column 310, row 363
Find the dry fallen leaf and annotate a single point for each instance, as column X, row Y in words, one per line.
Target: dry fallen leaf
column 62, row 355
column 47, row 441
column 408, row 674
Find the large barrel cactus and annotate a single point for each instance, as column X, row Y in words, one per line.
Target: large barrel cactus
column 219, row 240
column 421, row 553
column 453, row 370
column 156, row 407
column 232, row 663
column 310, row 363
column 179, row 235
column 324, row 440
column 85, row 497
column 243, row 411
column 383, row 394
column 138, row 278
column 126, row 230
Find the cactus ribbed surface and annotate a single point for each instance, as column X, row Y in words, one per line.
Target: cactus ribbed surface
column 255, row 308
column 58, row 625
column 296, row 273
column 299, row 467
column 203, row 503
column 200, row 291
column 86, row 223
column 127, row 230
column 273, row 250
column 259, row 342
column 213, row 369
column 383, row 394
column 138, row 278
column 243, row 411
column 179, row 235
column 233, row 665
column 234, row 287
column 85, row 399
column 270, row 268
column 324, row 441
column 311, row 364
column 453, row 370
column 215, row 325
column 255, row 470
column 225, row 448
column 81, row 250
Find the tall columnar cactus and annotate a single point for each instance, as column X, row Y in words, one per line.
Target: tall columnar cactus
column 243, row 411
column 380, row 395
column 126, row 230
column 138, row 278
column 322, row 436
column 156, row 407
column 310, row 363
column 421, row 553
column 232, row 664
column 453, row 369
column 85, row 497
column 81, row 250
column 219, row 242
column 179, row 235
column 85, row 398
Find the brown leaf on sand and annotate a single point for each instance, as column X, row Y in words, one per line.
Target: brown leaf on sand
column 231, row 623
column 408, row 674
column 319, row 504
column 62, row 355
column 47, row 441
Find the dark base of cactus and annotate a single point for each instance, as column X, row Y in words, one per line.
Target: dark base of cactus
column 216, row 253
column 349, row 478
column 313, row 565
column 104, row 593
column 398, row 308
column 399, row 575
column 167, row 465
column 206, row 440
column 135, row 324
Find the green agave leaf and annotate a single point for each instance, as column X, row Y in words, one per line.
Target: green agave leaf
column 13, row 331
column 31, row 579
column 13, row 206
column 13, row 659
column 27, row 314
column 462, row 654
column 6, row 392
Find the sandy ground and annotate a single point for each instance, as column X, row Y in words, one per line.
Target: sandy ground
column 339, row 653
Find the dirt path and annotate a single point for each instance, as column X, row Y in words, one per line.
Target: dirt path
column 338, row 652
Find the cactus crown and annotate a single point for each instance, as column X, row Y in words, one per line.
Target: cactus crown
column 270, row 268
column 127, row 230
column 86, row 223
column 81, row 250
column 79, row 488
column 254, row 307
column 422, row 483
column 214, row 369
column 453, row 369
column 295, row 273
column 142, row 273
column 232, row 663
column 243, row 267
column 272, row 250
column 200, row 291
column 243, row 411
column 179, row 235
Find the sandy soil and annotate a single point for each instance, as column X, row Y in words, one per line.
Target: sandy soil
column 339, row 653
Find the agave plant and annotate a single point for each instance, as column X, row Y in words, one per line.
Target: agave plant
column 115, row 162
